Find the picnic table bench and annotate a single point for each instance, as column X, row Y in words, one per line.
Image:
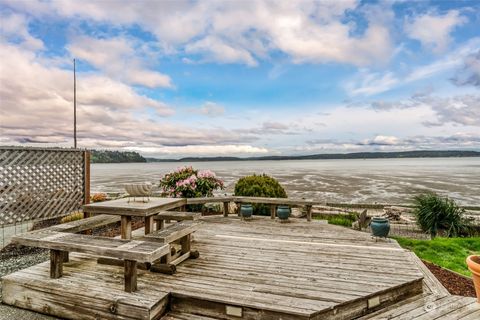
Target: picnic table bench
column 179, row 232
column 61, row 243
column 163, row 216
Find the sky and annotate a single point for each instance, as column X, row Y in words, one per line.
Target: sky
column 171, row 79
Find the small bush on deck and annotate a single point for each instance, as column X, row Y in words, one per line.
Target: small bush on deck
column 259, row 186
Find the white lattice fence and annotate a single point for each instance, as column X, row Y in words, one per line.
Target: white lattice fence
column 40, row 183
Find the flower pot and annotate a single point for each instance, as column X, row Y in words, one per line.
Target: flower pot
column 246, row 210
column 380, row 227
column 473, row 263
column 283, row 212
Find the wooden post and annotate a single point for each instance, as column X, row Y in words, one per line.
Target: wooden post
column 160, row 224
column 130, row 275
column 126, row 227
column 225, row 209
column 148, row 224
column 56, row 264
column 66, row 257
column 186, row 243
column 86, row 180
column 308, row 208
column 272, row 211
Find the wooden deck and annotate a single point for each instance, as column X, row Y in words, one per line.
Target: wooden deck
column 260, row 269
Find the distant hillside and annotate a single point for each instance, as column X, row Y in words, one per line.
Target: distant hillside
column 104, row 156
column 356, row 155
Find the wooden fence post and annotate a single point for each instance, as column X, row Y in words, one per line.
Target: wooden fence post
column 86, row 179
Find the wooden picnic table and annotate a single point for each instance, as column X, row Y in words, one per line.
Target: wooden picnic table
column 126, row 209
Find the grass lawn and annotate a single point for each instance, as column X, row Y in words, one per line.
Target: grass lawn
column 345, row 220
column 449, row 253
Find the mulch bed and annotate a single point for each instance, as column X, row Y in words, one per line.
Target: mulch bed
column 454, row 283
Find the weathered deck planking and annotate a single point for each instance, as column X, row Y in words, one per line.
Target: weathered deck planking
column 296, row 270
column 430, row 307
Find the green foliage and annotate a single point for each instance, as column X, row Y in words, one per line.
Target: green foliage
column 105, row 156
column 448, row 253
column 259, row 186
column 345, row 220
column 437, row 214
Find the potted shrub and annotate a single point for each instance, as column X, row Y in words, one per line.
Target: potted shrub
column 380, row 227
column 259, row 186
column 246, row 210
column 188, row 182
column 283, row 212
column 473, row 263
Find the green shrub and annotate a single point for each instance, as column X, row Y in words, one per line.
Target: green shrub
column 438, row 214
column 259, row 186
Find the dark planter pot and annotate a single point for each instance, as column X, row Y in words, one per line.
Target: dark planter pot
column 246, row 210
column 283, row 212
column 380, row 227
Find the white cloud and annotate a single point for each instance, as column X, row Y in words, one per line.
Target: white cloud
column 470, row 73
column 202, row 150
column 118, row 58
column 15, row 27
column 210, row 109
column 367, row 82
column 243, row 32
column 433, row 30
column 220, row 51
column 370, row 83
column 381, row 141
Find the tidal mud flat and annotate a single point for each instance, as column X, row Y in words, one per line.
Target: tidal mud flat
column 352, row 181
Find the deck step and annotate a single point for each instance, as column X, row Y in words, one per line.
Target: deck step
column 430, row 307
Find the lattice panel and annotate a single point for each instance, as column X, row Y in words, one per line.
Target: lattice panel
column 40, row 183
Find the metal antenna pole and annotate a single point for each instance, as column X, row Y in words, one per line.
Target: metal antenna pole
column 74, row 106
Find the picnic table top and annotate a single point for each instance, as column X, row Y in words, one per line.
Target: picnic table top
column 128, row 207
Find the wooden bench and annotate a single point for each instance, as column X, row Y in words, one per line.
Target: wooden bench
column 61, row 243
column 85, row 224
column 163, row 216
column 179, row 232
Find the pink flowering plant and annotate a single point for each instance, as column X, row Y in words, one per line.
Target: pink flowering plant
column 187, row 182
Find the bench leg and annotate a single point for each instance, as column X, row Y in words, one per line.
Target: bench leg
column 126, row 227
column 160, row 224
column 272, row 211
column 56, row 263
column 130, row 275
column 148, row 224
column 66, row 256
column 225, row 209
column 308, row 208
column 186, row 243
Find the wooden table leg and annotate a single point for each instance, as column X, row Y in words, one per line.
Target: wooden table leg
column 130, row 275
column 272, row 211
column 56, row 263
column 148, row 224
column 127, row 227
